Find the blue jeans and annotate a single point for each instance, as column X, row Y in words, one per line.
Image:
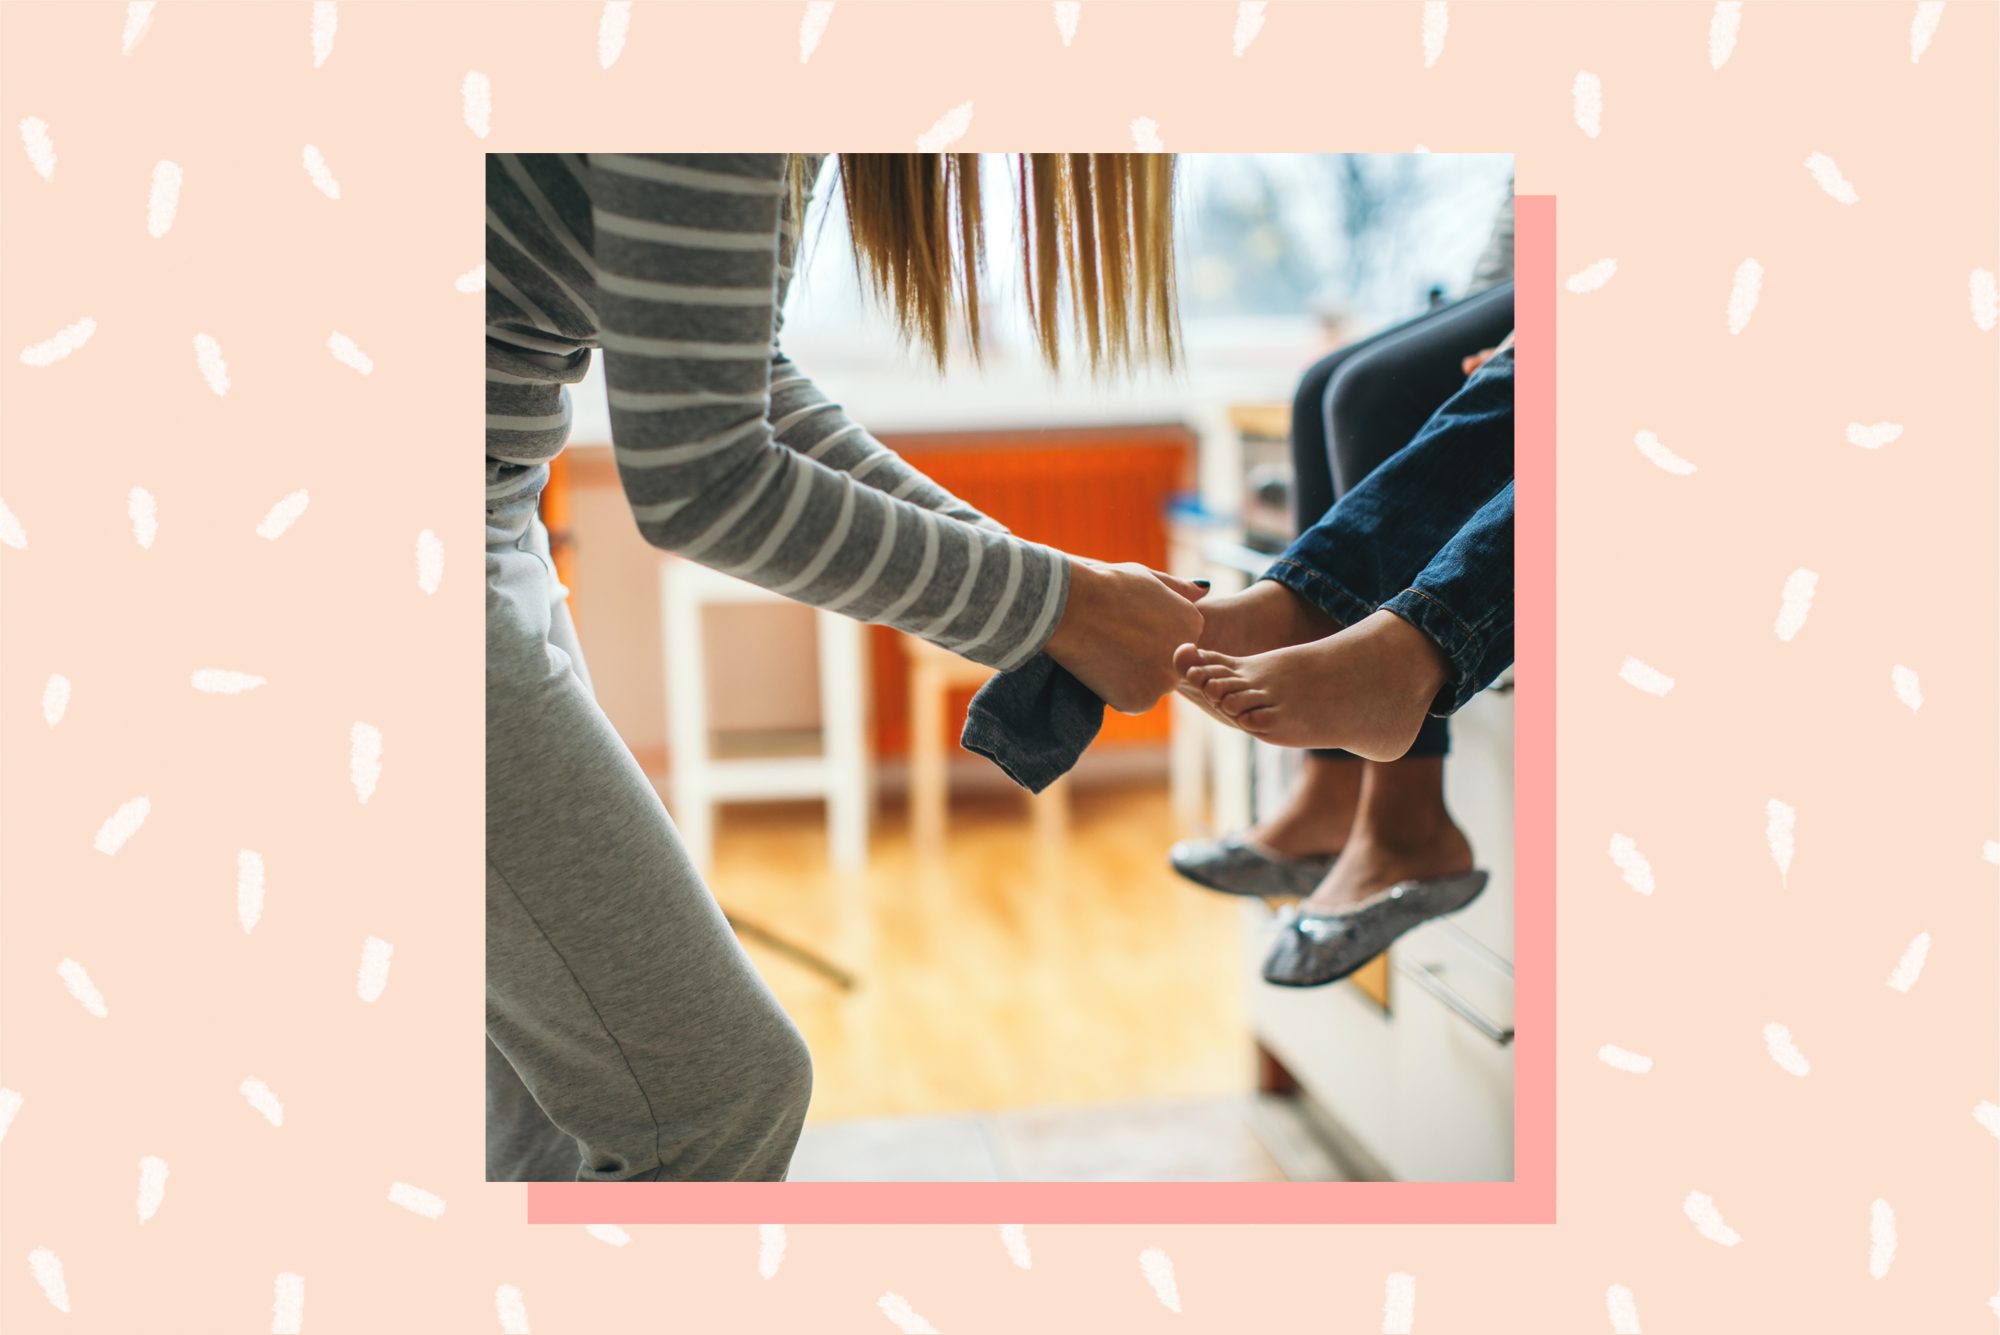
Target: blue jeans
column 1361, row 403
column 1429, row 536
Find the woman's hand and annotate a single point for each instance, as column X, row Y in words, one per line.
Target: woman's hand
column 1120, row 628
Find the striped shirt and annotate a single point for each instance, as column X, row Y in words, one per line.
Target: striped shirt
column 676, row 267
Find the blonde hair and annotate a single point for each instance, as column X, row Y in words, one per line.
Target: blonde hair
column 1097, row 236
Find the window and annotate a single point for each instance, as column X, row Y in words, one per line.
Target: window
column 1281, row 257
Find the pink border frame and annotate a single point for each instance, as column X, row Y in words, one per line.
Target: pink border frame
column 1529, row 1199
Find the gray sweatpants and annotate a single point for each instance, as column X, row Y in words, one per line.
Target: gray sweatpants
column 628, row 1037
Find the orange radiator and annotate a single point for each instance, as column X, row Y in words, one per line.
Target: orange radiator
column 1100, row 493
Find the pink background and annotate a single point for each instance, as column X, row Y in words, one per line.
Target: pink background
column 1868, row 314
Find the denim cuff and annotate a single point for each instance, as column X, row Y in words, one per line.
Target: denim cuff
column 1462, row 646
column 1329, row 596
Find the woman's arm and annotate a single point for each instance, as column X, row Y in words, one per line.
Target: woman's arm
column 804, row 419
column 686, row 253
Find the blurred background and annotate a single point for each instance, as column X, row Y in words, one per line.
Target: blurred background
column 996, row 987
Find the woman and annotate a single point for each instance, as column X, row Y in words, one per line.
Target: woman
column 628, row 1037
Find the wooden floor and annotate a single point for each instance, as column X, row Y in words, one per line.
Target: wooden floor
column 997, row 972
column 1240, row 1138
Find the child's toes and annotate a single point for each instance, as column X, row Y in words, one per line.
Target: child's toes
column 1221, row 686
column 1239, row 703
column 1205, row 673
column 1187, row 659
column 1258, row 722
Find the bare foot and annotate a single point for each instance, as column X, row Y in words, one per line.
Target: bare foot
column 1265, row 616
column 1365, row 689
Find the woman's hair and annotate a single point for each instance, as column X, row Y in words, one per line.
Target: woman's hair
column 1097, row 236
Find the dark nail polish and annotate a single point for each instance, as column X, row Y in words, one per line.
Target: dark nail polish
column 1200, row 583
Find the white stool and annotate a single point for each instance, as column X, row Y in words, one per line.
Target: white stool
column 839, row 774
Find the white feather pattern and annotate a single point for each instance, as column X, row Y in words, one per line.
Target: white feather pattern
column 770, row 1249
column 612, row 29
column 477, row 93
column 1644, row 676
column 1249, row 22
column 1437, row 22
column 40, row 148
column 1708, row 1221
column 1399, row 1304
column 1660, row 456
column 144, row 512
column 903, row 1316
column 1923, row 27
column 812, row 27
column 325, row 22
column 1067, row 14
column 208, row 359
column 55, row 698
column 1779, row 822
column 512, row 1309
column 1881, row 1238
column 1907, row 687
column 1631, row 863
column 165, row 199
column 1827, row 172
column 279, row 519
column 1158, row 1268
column 59, row 344
column 1014, row 1237
column 1592, row 276
column 1795, row 603
column 1723, row 25
column 1587, row 102
column 1744, row 293
column 1911, row 966
column 947, row 130
column 1784, row 1051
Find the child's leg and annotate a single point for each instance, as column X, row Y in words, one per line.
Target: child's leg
column 1378, row 536
column 1371, row 545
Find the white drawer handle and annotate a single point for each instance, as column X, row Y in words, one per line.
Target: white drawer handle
column 1429, row 979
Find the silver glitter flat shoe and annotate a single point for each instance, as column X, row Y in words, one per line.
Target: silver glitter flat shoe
column 1313, row 949
column 1235, row 866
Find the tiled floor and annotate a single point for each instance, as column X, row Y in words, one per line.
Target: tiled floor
column 1252, row 1138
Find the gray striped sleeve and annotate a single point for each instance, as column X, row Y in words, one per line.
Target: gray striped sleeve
column 805, row 419
column 716, row 433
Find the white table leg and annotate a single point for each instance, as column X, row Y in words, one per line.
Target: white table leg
column 929, row 694
column 1187, row 761
column 692, row 807
column 843, row 716
column 1050, row 809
